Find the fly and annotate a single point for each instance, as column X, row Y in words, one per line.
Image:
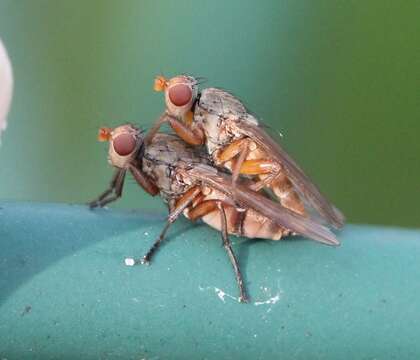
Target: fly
column 186, row 180
column 235, row 140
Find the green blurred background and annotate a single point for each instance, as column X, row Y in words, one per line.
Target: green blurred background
column 340, row 80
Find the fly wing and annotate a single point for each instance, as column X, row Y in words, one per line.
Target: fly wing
column 299, row 179
column 272, row 210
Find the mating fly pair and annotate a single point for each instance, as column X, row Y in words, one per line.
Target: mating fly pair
column 196, row 180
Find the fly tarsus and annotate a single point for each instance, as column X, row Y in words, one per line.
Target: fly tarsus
column 146, row 258
column 101, row 203
column 116, row 186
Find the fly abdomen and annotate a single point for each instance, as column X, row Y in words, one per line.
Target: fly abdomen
column 284, row 190
column 240, row 222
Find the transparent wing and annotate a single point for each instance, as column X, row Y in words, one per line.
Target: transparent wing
column 272, row 210
column 299, row 179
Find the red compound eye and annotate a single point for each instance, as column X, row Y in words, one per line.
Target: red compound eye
column 180, row 94
column 124, row 144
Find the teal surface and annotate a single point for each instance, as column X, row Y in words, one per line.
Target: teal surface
column 340, row 80
column 65, row 293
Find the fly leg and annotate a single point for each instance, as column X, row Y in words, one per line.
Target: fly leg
column 116, row 185
column 206, row 207
column 180, row 206
column 265, row 182
column 239, row 162
column 271, row 176
column 228, row 247
column 238, row 149
column 183, row 202
column 146, row 183
column 155, row 128
column 268, row 172
column 191, row 135
column 146, row 258
column 232, row 150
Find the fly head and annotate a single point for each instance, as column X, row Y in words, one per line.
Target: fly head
column 125, row 142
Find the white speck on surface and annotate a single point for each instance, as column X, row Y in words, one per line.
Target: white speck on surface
column 129, row 262
column 271, row 300
column 146, row 233
column 220, row 293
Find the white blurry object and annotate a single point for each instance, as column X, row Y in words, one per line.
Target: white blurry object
column 6, row 86
column 129, row 262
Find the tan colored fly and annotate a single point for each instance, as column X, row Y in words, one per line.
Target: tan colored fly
column 184, row 177
column 235, row 139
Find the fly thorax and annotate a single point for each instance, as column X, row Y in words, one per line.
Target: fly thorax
column 217, row 134
column 164, row 157
column 231, row 127
column 229, row 131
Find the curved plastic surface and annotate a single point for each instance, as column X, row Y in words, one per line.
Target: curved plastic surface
column 65, row 292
